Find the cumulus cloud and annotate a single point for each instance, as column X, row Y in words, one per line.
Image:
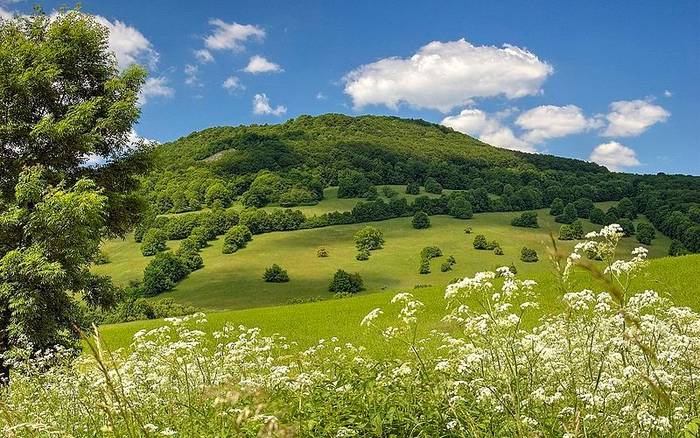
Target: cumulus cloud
column 444, row 75
column 667, row 93
column 261, row 106
column 258, row 64
column 203, row 55
column 155, row 87
column 629, row 118
column 232, row 84
column 614, row 156
column 487, row 128
column 192, row 75
column 128, row 44
column 549, row 121
column 231, row 36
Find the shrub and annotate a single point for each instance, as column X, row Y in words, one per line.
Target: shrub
column 352, row 184
column 420, row 220
column 432, row 186
column 217, row 192
column 627, row 226
column 424, row 267
column 577, row 229
column 645, row 233
column 498, row 250
column 447, row 265
column 460, row 208
column 492, row 245
column 389, row 192
column 413, row 188
column 480, row 242
column 153, row 242
column 199, row 237
column 583, row 207
column 162, row 273
column 568, row 216
column 297, row 196
column 275, row 274
column 557, row 207
column 362, row 255
column 191, row 257
column 527, row 219
column 344, row 282
column 468, row 230
column 430, row 252
column 597, row 216
column 676, row 248
column 566, row 233
column 236, row 238
column 322, row 252
column 528, row 255
column 368, row 239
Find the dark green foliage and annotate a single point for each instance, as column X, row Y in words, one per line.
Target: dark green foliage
column 420, row 220
column 352, row 184
column 625, row 209
column 597, row 216
column 344, row 282
column 566, row 233
column 557, row 207
column 162, row 273
column 627, row 226
column 583, row 207
column 568, row 216
column 413, row 188
column 430, row 252
column 101, row 258
column 424, row 267
column 498, row 250
column 645, row 233
column 132, row 308
column 236, row 238
column 676, row 248
column 577, row 229
column 275, row 274
column 217, row 193
column 371, row 194
column 492, row 245
column 432, row 186
column 368, row 239
column 459, row 207
column 297, row 196
column 362, row 255
column 528, row 255
column 447, row 265
column 527, row 219
column 480, row 242
column 191, row 257
column 611, row 216
column 389, row 192
column 153, row 242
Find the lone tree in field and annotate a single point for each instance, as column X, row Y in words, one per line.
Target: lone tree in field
column 645, row 233
column 420, row 220
column 368, row 239
column 344, row 282
column 62, row 101
column 275, row 274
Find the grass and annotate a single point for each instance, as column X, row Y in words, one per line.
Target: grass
column 676, row 278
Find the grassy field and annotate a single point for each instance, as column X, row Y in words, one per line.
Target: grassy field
column 677, row 278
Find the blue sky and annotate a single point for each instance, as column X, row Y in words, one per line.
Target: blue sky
column 613, row 82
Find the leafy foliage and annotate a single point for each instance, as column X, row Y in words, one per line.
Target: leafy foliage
column 420, row 220
column 527, row 219
column 344, row 282
column 528, row 255
column 275, row 274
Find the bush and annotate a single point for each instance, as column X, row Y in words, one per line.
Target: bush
column 566, row 233
column 447, row 265
column 420, row 220
column 568, row 216
column 527, row 219
column 677, row 248
column 217, row 193
column 424, row 267
column 413, row 188
column 432, row 186
column 430, row 252
column 528, row 255
column 468, row 230
column 236, row 238
column 344, row 282
column 597, row 216
column 460, row 208
column 322, row 252
column 162, row 273
column 362, row 255
column 389, row 192
column 492, row 245
column 627, row 226
column 297, row 196
column 480, row 242
column 577, row 229
column 352, row 184
column 153, row 242
column 645, row 233
column 557, row 207
column 498, row 250
column 191, row 257
column 199, row 237
column 368, row 239
column 275, row 274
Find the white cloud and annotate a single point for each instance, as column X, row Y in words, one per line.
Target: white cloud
column 155, row 87
column 668, row 93
column 258, row 64
column 128, row 44
column 232, row 84
column 261, row 106
column 231, row 36
column 549, row 121
column 203, row 55
column 445, row 75
column 629, row 118
column 486, row 128
column 614, row 156
column 134, row 141
column 191, row 75
column 5, row 14
column 321, row 96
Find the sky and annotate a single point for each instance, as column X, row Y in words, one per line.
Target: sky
column 606, row 81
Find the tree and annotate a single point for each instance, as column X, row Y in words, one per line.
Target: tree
column 597, row 216
column 527, row 219
column 322, row 252
column 566, row 232
column 583, row 207
column 528, row 255
column 627, row 226
column 275, row 274
column 460, row 208
column 368, row 239
column 645, row 233
column 163, row 272
column 432, row 186
column 676, row 248
column 236, row 238
column 413, row 188
column 153, row 242
column 62, row 100
column 217, row 192
column 420, row 220
column 344, row 282
column 352, row 184
column 625, row 208
column 557, row 207
column 568, row 216
column 480, row 242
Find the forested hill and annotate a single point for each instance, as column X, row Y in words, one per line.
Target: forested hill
column 290, row 164
column 328, row 138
